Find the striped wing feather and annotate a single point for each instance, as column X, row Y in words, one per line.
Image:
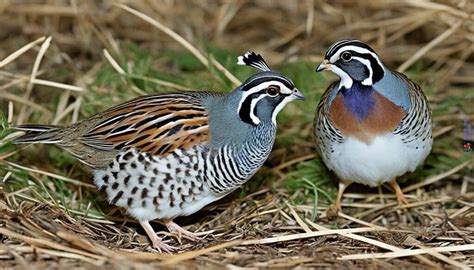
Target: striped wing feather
column 157, row 124
column 325, row 134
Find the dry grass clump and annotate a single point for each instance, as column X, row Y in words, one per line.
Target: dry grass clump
column 62, row 61
column 402, row 31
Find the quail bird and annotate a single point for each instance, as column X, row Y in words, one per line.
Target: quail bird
column 374, row 124
column 167, row 155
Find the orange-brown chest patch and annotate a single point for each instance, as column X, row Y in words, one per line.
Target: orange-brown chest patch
column 384, row 117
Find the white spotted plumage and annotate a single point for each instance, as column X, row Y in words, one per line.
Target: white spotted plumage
column 145, row 188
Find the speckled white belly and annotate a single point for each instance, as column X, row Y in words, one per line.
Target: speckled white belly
column 154, row 187
column 380, row 161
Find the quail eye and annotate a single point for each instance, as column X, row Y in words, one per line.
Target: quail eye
column 273, row 90
column 346, row 56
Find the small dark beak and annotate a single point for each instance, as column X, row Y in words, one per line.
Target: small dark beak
column 297, row 95
column 325, row 65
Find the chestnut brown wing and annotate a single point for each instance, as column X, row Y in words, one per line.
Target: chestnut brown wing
column 157, row 124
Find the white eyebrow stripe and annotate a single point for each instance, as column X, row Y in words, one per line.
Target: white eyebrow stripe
column 335, row 45
column 285, row 90
column 284, row 79
column 357, row 49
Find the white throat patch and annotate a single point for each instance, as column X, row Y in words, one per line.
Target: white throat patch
column 346, row 80
column 357, row 49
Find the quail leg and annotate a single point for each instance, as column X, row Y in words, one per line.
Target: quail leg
column 398, row 191
column 343, row 184
column 173, row 227
column 156, row 241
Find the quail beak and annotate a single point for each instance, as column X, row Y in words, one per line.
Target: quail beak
column 325, row 65
column 297, row 95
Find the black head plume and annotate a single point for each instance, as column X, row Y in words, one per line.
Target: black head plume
column 253, row 59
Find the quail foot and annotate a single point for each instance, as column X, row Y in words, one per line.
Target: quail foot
column 374, row 124
column 163, row 156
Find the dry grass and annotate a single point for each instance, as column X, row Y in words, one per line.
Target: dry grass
column 49, row 212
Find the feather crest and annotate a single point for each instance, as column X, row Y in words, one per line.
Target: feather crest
column 253, row 59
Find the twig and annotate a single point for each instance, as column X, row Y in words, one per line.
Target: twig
column 57, row 85
column 20, row 51
column 429, row 46
column 375, row 243
column 63, row 178
column 406, row 252
column 298, row 236
column 196, row 253
column 183, row 42
column 34, row 72
column 298, row 219
column 436, row 178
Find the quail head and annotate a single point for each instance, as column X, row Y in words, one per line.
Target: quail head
column 374, row 124
column 163, row 156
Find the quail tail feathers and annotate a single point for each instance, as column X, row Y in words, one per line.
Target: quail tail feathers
column 47, row 134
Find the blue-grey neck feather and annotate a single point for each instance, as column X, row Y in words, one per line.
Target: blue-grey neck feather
column 390, row 86
column 236, row 149
column 332, row 95
column 394, row 89
column 224, row 122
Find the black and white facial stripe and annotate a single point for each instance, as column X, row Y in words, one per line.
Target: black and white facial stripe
column 346, row 42
column 267, row 84
column 277, row 89
column 251, row 84
column 353, row 60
